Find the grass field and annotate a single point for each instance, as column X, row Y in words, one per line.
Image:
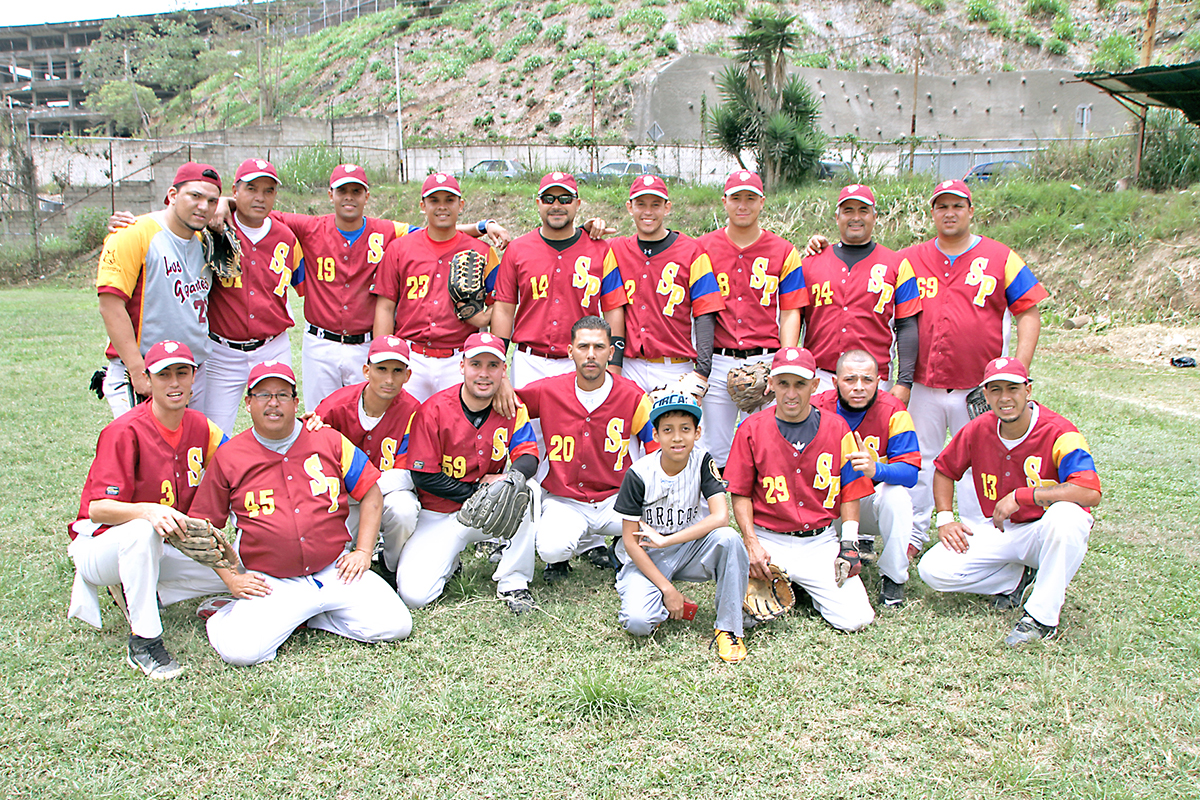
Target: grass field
column 561, row 703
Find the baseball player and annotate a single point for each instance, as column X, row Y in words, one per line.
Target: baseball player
column 248, row 316
column 791, row 475
column 762, row 285
column 411, row 296
column 1036, row 480
column 139, row 489
column 153, row 283
column 375, row 417
column 669, row 281
column 288, row 488
column 666, row 536
column 458, row 442
column 886, row 452
column 591, row 423
column 858, row 292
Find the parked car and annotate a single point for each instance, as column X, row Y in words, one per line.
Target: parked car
column 834, row 171
column 622, row 172
column 495, row 168
column 993, row 171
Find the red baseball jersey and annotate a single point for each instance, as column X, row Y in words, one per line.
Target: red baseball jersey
column 338, row 275
column 962, row 324
column 755, row 283
column 588, row 451
column 794, row 490
column 1053, row 452
column 886, row 427
column 135, row 463
column 665, row 291
column 290, row 507
column 253, row 306
column 414, row 274
column 552, row 289
column 849, row 309
column 386, row 445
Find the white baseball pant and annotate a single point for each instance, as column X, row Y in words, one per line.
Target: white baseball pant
column 430, row 375
column 527, row 368
column 328, row 366
column 134, row 556
column 936, row 412
column 721, row 416
column 808, row 561
column 119, row 392
column 400, row 509
column 887, row 514
column 568, row 527
column 995, row 560
column 228, row 369
column 651, row 375
column 250, row 631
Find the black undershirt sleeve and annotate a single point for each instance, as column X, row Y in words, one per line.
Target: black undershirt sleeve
column 526, row 465
column 442, row 485
column 631, row 495
column 906, row 350
column 705, row 323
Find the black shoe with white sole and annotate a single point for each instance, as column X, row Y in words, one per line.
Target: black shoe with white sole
column 519, row 601
column 1028, row 630
column 1014, row 599
column 553, row 573
column 891, row 594
column 152, row 658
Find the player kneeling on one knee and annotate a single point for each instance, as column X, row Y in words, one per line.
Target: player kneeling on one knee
column 666, row 537
column 289, row 488
column 791, row 476
column 1035, row 476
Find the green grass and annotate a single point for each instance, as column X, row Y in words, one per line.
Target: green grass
column 925, row 703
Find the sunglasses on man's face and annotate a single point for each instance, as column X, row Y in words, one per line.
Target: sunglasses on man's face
column 565, row 199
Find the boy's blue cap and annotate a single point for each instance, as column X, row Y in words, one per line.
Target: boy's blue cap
column 674, row 402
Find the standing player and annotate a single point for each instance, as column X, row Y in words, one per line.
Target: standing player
column 590, row 419
column 153, row 283
column 762, row 284
column 791, row 476
column 1036, row 479
column 887, row 454
column 288, row 488
column 669, row 281
column 375, row 417
column 412, row 300
column 458, row 442
column 140, row 488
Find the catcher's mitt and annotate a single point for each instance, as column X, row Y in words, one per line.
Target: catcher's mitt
column 747, row 386
column 497, row 508
column 466, row 283
column 976, row 403
column 223, row 253
column 206, row 545
column 768, row 600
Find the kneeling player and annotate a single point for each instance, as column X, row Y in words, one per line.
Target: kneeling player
column 790, row 475
column 1035, row 476
column 288, row 488
column 666, row 537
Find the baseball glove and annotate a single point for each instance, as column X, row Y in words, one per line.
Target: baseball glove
column 466, row 283
column 976, row 403
column 768, row 600
column 847, row 564
column 223, row 253
column 205, row 544
column 747, row 386
column 692, row 384
column 497, row 508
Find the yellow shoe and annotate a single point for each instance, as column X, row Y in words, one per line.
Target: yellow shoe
column 730, row 649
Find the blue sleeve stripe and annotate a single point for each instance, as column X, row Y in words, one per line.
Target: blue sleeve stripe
column 611, row 282
column 1020, row 285
column 849, row 474
column 704, row 285
column 792, row 282
column 907, row 291
column 1074, row 462
column 298, row 274
column 901, row 443
column 523, row 435
column 646, row 434
column 402, row 449
column 489, row 279
column 357, row 463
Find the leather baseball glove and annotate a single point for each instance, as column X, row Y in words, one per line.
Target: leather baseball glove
column 847, row 564
column 747, row 386
column 768, row 600
column 976, row 403
column 497, row 508
column 206, row 545
column 222, row 252
column 465, row 283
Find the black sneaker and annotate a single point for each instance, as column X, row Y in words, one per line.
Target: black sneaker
column 1028, row 630
column 1014, row 599
column 891, row 594
column 519, row 601
column 866, row 548
column 599, row 557
column 491, row 549
column 152, row 658
column 553, row 573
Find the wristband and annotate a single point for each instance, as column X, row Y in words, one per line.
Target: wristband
column 481, row 226
column 850, row 531
column 944, row 518
column 618, row 357
column 1024, row 496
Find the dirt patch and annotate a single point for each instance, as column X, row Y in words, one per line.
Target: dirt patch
column 1152, row 344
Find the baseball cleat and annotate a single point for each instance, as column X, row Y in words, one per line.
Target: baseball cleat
column 152, row 658
column 553, row 573
column 211, row 606
column 598, row 556
column 1014, row 599
column 519, row 601
column 891, row 594
column 730, row 649
column 1028, row 630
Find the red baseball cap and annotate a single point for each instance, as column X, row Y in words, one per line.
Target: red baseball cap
column 253, row 168
column 484, row 343
column 794, row 361
column 954, row 187
column 348, row 173
column 563, row 179
column 389, row 348
column 857, row 191
column 167, row 354
column 1005, row 369
column 440, row 182
column 648, row 184
column 743, row 180
column 191, row 171
column 270, row 369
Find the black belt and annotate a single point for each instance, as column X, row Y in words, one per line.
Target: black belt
column 245, row 347
column 524, row 348
column 804, row 534
column 329, row 336
column 732, row 353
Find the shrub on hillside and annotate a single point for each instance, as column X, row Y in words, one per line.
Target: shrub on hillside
column 982, row 11
column 1171, row 157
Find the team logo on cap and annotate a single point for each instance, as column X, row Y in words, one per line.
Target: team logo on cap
column 258, row 162
column 270, row 363
column 792, row 354
column 946, row 184
column 350, row 168
column 485, row 337
column 557, row 176
column 170, row 347
column 1001, row 362
column 392, row 341
column 440, row 178
column 743, row 176
column 648, row 181
column 854, row 187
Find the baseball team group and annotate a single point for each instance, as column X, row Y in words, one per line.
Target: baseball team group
column 593, row 394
